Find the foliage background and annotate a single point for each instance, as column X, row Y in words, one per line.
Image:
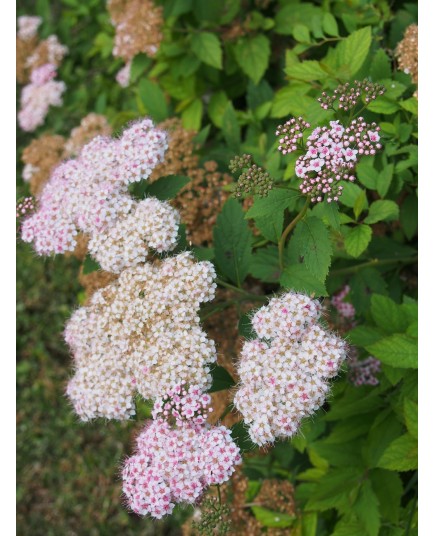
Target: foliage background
column 354, row 464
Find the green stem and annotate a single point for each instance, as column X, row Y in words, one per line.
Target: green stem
column 219, row 494
column 374, row 262
column 240, row 290
column 289, row 228
column 410, row 518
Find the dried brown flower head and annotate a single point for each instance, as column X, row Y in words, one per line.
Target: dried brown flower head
column 24, row 49
column 90, row 126
column 407, row 53
column 138, row 26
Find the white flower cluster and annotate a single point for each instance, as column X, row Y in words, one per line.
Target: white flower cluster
column 141, row 333
column 90, row 194
column 150, row 223
column 28, row 27
column 284, row 377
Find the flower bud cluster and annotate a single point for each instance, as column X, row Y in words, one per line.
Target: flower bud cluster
column 90, row 194
column 141, row 333
column 37, row 97
column 175, row 463
column 285, row 373
column 348, row 95
column 363, row 371
column 26, row 206
column 344, row 308
column 331, row 156
column 290, row 134
column 253, row 179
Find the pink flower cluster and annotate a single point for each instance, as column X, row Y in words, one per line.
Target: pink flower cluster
column 90, row 194
column 284, row 375
column 344, row 308
column 291, row 134
column 176, row 462
column 331, row 156
column 26, row 206
column 37, row 97
column 363, row 371
column 28, row 27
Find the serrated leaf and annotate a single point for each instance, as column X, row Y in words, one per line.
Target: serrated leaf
column 191, row 116
column 388, row 315
column 230, row 128
column 245, row 327
column 265, row 264
column 90, row 265
column 383, row 210
column 359, row 204
column 297, row 277
column 380, row 66
column 207, row 47
column 410, row 415
column 270, row 226
column 330, row 25
column 385, row 179
column 364, row 335
column 252, row 55
column 167, row 187
column 396, row 351
column 301, row 33
column 388, row 488
column 241, row 437
column 217, row 106
column 153, row 99
column 329, row 213
column 385, row 429
column 334, row 490
column 311, row 243
column 307, row 71
column 233, row 242
column 268, row 518
column 367, row 174
column 357, row 240
column 277, row 200
column 221, row 379
column 401, row 455
column 352, row 51
column 366, row 508
column 350, row 194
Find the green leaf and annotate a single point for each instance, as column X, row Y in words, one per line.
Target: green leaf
column 380, row 66
column 388, row 488
column 330, row 25
column 268, row 518
column 307, row 71
column 357, row 240
column 353, row 50
column 233, row 242
column 252, row 55
column 388, row 315
column 203, row 254
column 241, row 437
column 311, row 243
column 366, row 173
column 410, row 415
column 359, row 204
column 401, row 455
column 245, row 327
column 350, row 194
column 90, row 265
column 221, row 379
column 396, row 351
column 363, row 284
column 366, row 508
column 301, row 33
column 410, row 105
column 230, row 128
column 349, row 526
column 329, row 213
column 385, row 179
column 265, row 264
column 277, row 200
column 334, row 490
column 153, row 99
column 206, row 46
column 384, row 210
column 309, row 523
column 297, row 277
column 408, row 216
column 192, row 115
column 270, row 226
column 364, row 335
column 167, row 187
column 385, row 429
column 216, row 107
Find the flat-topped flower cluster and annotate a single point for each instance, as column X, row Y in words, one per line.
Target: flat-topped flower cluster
column 285, row 373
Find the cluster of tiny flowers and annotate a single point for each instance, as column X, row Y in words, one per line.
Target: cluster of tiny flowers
column 37, row 97
column 141, row 333
column 50, row 50
column 348, row 95
column 253, row 179
column 28, row 27
column 290, row 134
column 90, row 194
column 176, row 463
column 26, row 206
column 407, row 53
column 344, row 308
column 363, row 371
column 284, row 374
column 123, row 76
column 331, row 156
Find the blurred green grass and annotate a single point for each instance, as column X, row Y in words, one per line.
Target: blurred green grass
column 68, row 479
